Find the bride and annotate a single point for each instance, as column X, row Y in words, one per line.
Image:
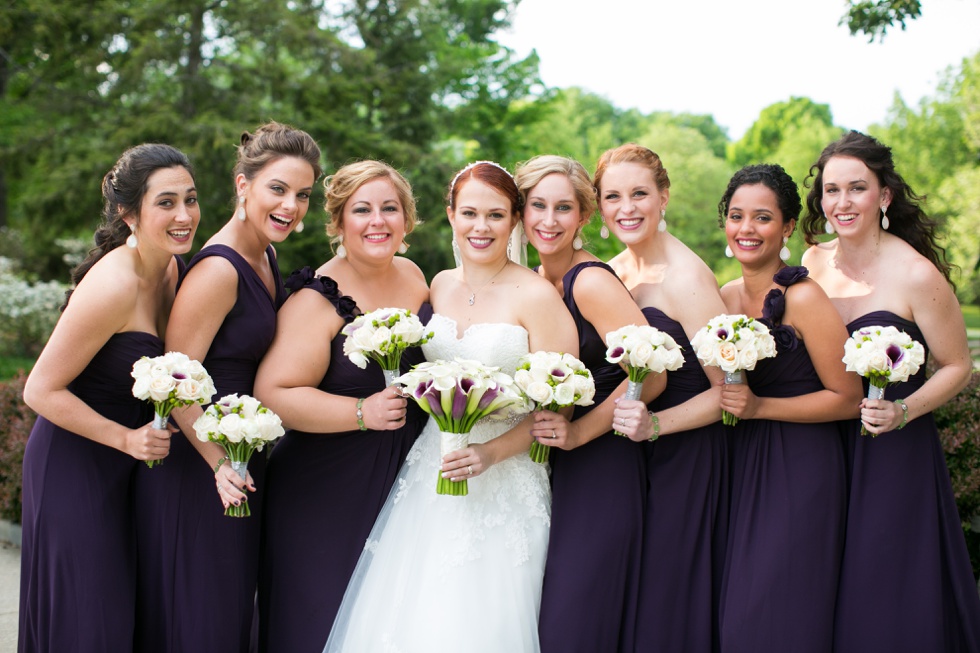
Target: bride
column 466, row 572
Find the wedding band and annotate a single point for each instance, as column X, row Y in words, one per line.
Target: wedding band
column 553, row 434
column 469, row 470
column 220, row 486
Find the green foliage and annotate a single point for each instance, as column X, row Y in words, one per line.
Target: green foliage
column 873, row 18
column 959, row 431
column 16, row 422
column 764, row 138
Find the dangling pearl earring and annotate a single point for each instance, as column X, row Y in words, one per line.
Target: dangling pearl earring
column 341, row 250
column 131, row 241
column 577, row 241
column 299, row 227
column 829, row 226
column 662, row 227
column 728, row 251
column 604, row 231
column 884, row 217
column 784, row 253
column 403, row 248
column 240, row 213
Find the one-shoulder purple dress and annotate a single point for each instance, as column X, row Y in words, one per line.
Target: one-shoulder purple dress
column 786, row 531
column 197, row 567
column 78, row 556
column 324, row 492
column 906, row 582
column 598, row 499
column 686, row 523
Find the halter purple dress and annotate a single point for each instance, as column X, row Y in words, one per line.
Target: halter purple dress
column 686, row 523
column 78, row 556
column 197, row 567
column 598, row 499
column 906, row 582
column 325, row 491
column 786, row 532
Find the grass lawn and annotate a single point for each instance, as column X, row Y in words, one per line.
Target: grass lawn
column 10, row 365
column 971, row 313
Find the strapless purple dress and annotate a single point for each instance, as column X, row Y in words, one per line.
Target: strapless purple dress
column 324, row 492
column 906, row 582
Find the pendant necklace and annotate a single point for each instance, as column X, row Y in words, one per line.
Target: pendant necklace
column 472, row 299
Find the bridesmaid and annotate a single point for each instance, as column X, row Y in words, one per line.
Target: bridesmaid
column 78, row 559
column 906, row 582
column 598, row 479
column 687, row 474
column 330, row 474
column 788, row 484
column 198, row 568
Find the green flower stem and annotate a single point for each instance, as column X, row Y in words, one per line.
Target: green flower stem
column 539, row 453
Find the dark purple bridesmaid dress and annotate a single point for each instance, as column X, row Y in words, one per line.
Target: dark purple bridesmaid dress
column 598, row 499
column 197, row 567
column 906, row 582
column 788, row 502
column 78, row 559
column 686, row 522
column 325, row 491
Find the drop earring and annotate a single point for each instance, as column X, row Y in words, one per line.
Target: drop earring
column 728, row 251
column 299, row 227
column 341, row 250
column 829, row 227
column 784, row 253
column 403, row 248
column 131, row 241
column 240, row 213
column 884, row 217
column 577, row 241
column 604, row 231
column 662, row 227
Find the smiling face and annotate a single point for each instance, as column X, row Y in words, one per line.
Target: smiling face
column 754, row 225
column 482, row 222
column 373, row 220
column 169, row 213
column 852, row 197
column 278, row 197
column 552, row 215
column 630, row 202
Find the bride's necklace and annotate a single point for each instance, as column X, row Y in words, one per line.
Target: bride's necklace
column 472, row 299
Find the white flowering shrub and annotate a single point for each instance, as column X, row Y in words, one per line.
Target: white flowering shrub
column 28, row 311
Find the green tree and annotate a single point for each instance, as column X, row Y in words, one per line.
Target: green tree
column 874, row 18
column 766, row 134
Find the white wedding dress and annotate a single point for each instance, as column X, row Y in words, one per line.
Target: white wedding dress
column 454, row 573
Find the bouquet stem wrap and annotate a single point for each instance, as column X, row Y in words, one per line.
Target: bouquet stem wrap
column 731, row 378
column 449, row 442
column 241, row 510
column 874, row 392
column 390, row 376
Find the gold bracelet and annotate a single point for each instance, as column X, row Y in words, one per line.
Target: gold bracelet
column 360, row 415
column 656, row 426
column 221, row 461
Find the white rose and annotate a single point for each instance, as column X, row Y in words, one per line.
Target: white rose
column 727, row 355
column 141, row 387
column 381, row 339
column 189, row 390
column 522, row 378
column 269, row 425
column 249, row 431
column 408, row 329
column 205, row 425
column 250, row 407
column 564, row 394
column 539, row 392
column 160, row 387
column 877, row 361
column 231, row 427
column 362, row 338
column 747, row 358
column 141, row 368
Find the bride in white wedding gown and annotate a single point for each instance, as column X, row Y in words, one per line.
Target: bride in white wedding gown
column 465, row 572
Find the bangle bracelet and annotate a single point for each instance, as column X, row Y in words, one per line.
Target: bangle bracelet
column 221, row 461
column 656, row 427
column 360, row 415
column 905, row 413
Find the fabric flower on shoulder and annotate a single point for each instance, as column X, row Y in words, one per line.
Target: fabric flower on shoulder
column 300, row 278
column 790, row 275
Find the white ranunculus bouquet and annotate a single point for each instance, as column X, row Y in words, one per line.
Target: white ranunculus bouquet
column 242, row 425
column 734, row 343
column 169, row 381
column 383, row 335
column 883, row 355
column 551, row 381
column 457, row 394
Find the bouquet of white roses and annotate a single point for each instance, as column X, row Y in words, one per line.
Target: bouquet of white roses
column 883, row 355
column 383, row 335
column 457, row 394
column 551, row 381
column 170, row 381
column 734, row 343
column 241, row 425
column 642, row 349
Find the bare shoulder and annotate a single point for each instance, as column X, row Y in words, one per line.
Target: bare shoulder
column 816, row 256
column 408, row 270
column 215, row 273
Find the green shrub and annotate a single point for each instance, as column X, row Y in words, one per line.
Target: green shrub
column 16, row 422
column 28, row 311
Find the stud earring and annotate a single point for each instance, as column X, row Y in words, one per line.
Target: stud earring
column 604, row 232
column 577, row 241
column 341, row 250
column 728, row 251
column 299, row 227
column 662, row 227
column 403, row 248
column 884, row 217
column 131, row 241
column 240, row 213
column 784, row 253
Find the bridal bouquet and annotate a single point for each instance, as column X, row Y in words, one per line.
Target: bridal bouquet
column 383, row 335
column 242, row 425
column 883, row 355
column 170, row 381
column 457, row 394
column 734, row 343
column 551, row 381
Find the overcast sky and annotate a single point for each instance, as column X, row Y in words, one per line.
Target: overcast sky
column 731, row 59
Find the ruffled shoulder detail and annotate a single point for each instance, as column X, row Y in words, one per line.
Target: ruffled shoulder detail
column 790, row 275
column 326, row 286
column 774, row 306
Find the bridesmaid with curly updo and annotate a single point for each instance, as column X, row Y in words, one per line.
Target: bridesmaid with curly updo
column 348, row 435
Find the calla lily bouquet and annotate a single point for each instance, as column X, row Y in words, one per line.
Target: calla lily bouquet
column 383, row 335
column 551, row 381
column 241, row 425
column 734, row 343
column 169, row 381
column 883, row 355
column 457, row 394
